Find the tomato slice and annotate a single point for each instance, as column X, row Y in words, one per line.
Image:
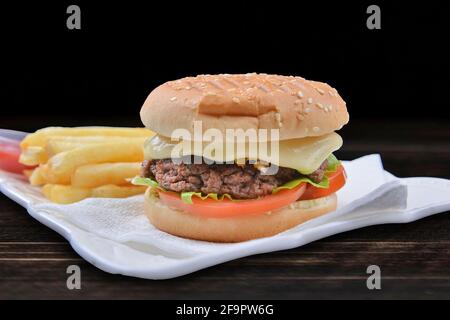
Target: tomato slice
column 211, row 208
column 337, row 180
column 9, row 157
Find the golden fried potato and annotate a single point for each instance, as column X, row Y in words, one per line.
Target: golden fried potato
column 65, row 194
column 28, row 172
column 32, row 156
column 57, row 145
column 94, row 175
column 80, row 162
column 60, row 168
column 39, row 138
column 36, row 178
column 112, row 191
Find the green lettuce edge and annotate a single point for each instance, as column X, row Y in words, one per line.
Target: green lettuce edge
column 333, row 164
column 187, row 196
column 294, row 183
column 148, row 182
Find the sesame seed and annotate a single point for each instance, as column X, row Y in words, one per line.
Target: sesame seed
column 307, row 110
column 278, row 117
column 283, row 88
column 299, row 94
column 330, row 107
column 187, row 88
column 319, row 105
column 173, row 98
column 310, row 100
column 320, row 91
column 263, row 88
column 236, row 100
column 316, row 129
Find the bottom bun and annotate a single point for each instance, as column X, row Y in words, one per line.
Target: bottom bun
column 234, row 229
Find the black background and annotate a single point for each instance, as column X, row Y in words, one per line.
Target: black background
column 125, row 49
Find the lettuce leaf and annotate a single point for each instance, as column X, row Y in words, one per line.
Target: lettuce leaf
column 294, row 183
column 333, row 163
column 148, row 182
column 187, row 196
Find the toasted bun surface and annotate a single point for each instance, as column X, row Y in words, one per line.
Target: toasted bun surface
column 234, row 229
column 297, row 107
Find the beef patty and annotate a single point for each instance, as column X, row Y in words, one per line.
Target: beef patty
column 241, row 182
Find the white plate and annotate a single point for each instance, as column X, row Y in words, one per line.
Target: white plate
column 152, row 254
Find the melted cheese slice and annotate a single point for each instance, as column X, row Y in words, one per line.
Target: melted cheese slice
column 305, row 155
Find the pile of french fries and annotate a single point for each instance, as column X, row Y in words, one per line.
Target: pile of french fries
column 72, row 164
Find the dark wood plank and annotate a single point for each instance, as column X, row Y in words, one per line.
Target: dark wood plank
column 17, row 225
column 318, row 270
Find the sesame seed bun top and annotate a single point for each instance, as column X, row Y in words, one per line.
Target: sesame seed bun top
column 297, row 107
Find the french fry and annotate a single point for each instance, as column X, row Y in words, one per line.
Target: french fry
column 39, row 138
column 28, row 172
column 57, row 145
column 81, row 162
column 65, row 194
column 59, row 168
column 112, row 191
column 36, row 178
column 44, row 171
column 32, row 156
column 94, row 175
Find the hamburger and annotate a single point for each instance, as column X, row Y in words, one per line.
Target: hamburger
column 241, row 196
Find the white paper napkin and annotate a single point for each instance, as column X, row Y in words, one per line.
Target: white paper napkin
column 115, row 235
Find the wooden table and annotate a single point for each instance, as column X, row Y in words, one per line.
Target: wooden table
column 414, row 258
